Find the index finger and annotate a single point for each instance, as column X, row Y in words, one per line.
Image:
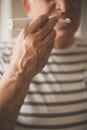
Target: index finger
column 38, row 23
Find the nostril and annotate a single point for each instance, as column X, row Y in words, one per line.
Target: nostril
column 62, row 5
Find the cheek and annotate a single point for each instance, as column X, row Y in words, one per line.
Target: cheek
column 44, row 8
column 38, row 10
column 49, row 8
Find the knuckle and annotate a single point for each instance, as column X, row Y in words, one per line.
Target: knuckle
column 43, row 17
column 41, row 34
column 52, row 22
column 52, row 35
column 39, row 20
column 53, row 19
column 34, row 43
column 36, row 39
column 53, row 32
column 30, row 41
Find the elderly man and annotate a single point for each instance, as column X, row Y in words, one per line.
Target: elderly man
column 54, row 97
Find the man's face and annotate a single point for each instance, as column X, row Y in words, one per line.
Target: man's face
column 62, row 9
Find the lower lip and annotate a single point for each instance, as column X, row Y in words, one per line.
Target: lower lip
column 62, row 25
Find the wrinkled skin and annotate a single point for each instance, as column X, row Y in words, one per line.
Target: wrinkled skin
column 32, row 50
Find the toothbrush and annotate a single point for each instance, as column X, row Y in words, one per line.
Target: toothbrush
column 20, row 23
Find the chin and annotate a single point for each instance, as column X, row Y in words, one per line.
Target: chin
column 62, row 34
column 63, row 37
column 63, row 29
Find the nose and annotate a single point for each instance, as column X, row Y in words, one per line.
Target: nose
column 62, row 5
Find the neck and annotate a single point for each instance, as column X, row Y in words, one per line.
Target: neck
column 64, row 44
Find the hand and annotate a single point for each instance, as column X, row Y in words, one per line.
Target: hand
column 33, row 46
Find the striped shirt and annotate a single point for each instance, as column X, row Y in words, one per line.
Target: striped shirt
column 57, row 96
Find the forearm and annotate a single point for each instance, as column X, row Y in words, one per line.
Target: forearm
column 13, row 88
column 30, row 55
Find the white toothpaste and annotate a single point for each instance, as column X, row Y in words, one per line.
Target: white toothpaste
column 20, row 23
column 67, row 20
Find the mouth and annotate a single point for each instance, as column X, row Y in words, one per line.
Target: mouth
column 65, row 20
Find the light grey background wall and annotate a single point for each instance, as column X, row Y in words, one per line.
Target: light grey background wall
column 17, row 12
column 9, row 9
column 84, row 20
column 5, row 14
column 0, row 17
